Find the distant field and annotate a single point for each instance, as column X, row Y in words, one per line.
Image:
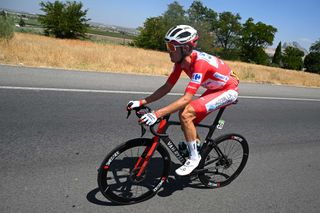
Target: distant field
column 40, row 51
column 109, row 34
column 97, row 34
column 108, row 39
column 93, row 35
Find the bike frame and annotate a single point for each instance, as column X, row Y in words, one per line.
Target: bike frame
column 161, row 134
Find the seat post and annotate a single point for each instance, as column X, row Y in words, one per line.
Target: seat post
column 215, row 123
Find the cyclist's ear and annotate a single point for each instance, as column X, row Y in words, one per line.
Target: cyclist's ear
column 187, row 49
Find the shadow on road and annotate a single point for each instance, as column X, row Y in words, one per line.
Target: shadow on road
column 174, row 183
column 91, row 197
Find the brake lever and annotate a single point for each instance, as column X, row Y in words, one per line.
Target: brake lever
column 129, row 109
column 143, row 130
column 129, row 113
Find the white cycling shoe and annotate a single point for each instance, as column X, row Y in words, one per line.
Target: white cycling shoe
column 188, row 167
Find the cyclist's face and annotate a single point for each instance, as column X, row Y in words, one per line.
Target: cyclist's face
column 176, row 55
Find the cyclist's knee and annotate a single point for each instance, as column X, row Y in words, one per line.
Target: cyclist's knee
column 187, row 114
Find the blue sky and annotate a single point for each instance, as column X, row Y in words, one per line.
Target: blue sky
column 295, row 20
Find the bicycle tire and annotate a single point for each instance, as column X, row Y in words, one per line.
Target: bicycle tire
column 121, row 189
column 211, row 156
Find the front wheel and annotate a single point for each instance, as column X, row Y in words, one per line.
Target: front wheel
column 118, row 177
column 223, row 159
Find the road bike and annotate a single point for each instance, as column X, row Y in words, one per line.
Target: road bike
column 135, row 170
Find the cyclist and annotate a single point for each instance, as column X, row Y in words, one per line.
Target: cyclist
column 204, row 70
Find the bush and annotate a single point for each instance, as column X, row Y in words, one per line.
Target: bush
column 7, row 28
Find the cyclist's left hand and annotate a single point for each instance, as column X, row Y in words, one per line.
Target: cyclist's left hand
column 149, row 118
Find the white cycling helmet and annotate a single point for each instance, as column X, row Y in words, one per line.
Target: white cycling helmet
column 182, row 34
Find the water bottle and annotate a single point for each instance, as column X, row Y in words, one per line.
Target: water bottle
column 183, row 149
column 220, row 124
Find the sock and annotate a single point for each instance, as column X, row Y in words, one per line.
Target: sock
column 193, row 150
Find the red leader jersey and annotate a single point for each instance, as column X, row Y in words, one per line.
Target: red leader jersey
column 207, row 71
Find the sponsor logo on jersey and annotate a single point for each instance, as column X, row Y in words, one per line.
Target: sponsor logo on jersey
column 224, row 99
column 196, row 78
column 212, row 84
column 221, row 77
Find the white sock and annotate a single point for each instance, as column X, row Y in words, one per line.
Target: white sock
column 193, row 150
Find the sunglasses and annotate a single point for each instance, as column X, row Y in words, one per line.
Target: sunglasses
column 171, row 47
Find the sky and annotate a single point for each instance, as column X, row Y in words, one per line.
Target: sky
column 295, row 20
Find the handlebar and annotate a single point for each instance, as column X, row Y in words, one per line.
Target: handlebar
column 140, row 111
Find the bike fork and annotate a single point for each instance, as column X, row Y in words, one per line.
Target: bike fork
column 144, row 158
column 148, row 152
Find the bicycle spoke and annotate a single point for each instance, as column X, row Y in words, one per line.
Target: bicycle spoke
column 120, row 182
column 224, row 161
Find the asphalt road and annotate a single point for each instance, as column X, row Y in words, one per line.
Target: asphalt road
column 56, row 127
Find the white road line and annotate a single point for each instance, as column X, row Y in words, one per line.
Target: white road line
column 142, row 93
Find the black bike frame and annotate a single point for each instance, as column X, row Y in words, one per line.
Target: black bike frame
column 161, row 134
column 170, row 144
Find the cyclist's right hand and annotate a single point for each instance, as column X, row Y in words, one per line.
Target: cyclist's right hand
column 134, row 104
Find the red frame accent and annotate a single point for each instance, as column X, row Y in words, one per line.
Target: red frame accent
column 150, row 150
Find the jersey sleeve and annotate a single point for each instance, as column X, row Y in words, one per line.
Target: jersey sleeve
column 175, row 74
column 197, row 77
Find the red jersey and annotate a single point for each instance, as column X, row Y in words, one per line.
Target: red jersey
column 207, row 71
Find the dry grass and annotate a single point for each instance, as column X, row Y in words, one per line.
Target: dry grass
column 40, row 51
column 35, row 50
column 265, row 74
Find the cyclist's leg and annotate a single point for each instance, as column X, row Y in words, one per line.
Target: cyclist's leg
column 186, row 117
column 211, row 101
column 180, row 117
column 198, row 109
column 193, row 113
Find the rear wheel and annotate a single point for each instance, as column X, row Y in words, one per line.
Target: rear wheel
column 117, row 177
column 223, row 159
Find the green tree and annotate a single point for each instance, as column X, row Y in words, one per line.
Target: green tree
column 174, row 15
column 292, row 58
column 3, row 13
column 7, row 27
column 198, row 13
column 22, row 22
column 312, row 62
column 154, row 29
column 276, row 60
column 228, row 30
column 254, row 38
column 315, row 47
column 152, row 34
column 203, row 19
column 64, row 20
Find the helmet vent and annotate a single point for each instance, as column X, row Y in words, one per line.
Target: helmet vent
column 184, row 35
column 175, row 32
